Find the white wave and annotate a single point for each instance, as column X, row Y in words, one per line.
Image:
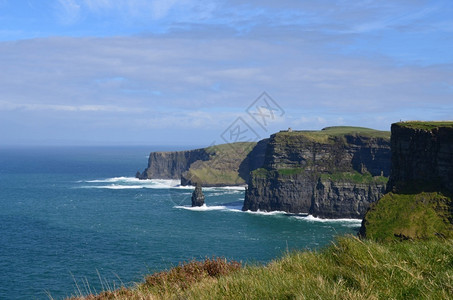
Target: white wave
column 132, row 182
column 311, row 218
column 266, row 213
column 233, row 189
column 162, row 184
column 114, row 187
column 168, row 184
column 204, row 207
column 220, row 193
column 114, row 179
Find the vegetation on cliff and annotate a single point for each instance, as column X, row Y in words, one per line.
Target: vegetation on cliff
column 426, row 125
column 223, row 166
column 348, row 269
column 335, row 172
column 420, row 205
column 355, row 177
column 410, row 216
column 328, row 134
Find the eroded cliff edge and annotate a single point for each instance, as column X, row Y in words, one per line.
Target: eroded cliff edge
column 218, row 165
column 419, row 203
column 333, row 173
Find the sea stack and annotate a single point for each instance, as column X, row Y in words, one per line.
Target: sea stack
column 197, row 196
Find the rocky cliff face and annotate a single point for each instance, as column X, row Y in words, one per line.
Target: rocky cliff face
column 219, row 165
column 197, row 196
column 344, row 199
column 419, row 203
column 170, row 165
column 421, row 156
column 333, row 173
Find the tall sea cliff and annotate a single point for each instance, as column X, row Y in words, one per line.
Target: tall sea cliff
column 336, row 172
column 218, row 165
column 419, row 203
column 333, row 173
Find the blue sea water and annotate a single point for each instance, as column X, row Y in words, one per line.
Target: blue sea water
column 73, row 220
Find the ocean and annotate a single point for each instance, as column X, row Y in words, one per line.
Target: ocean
column 74, row 220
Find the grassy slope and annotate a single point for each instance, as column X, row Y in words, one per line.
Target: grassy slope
column 409, row 216
column 222, row 168
column 349, row 269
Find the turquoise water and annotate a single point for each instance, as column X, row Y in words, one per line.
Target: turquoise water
column 74, row 220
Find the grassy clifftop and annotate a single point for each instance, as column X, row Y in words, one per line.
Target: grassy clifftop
column 348, row 269
column 326, row 134
column 410, row 216
column 426, row 125
column 223, row 166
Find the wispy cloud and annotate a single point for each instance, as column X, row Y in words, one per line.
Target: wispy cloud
column 68, row 11
column 184, row 64
column 9, row 106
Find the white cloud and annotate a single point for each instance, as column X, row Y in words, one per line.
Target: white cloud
column 68, row 11
column 160, row 8
column 8, row 106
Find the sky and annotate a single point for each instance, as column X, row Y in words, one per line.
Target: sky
column 190, row 72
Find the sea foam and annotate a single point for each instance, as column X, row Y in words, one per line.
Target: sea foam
column 311, row 218
column 204, row 207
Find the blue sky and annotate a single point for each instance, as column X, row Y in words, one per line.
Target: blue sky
column 181, row 72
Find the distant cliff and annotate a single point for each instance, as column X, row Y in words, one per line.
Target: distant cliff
column 333, row 173
column 218, row 165
column 170, row 165
column 419, row 202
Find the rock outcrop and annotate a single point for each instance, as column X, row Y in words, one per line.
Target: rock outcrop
column 170, row 165
column 333, row 173
column 422, row 156
column 218, row 165
column 419, row 202
column 197, row 196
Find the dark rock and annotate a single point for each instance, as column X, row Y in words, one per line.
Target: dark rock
column 291, row 178
column 219, row 165
column 344, row 199
column 197, row 196
column 422, row 176
column 170, row 165
column 421, row 158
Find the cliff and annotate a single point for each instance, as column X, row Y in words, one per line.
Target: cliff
column 218, row 165
column 422, row 155
column 419, row 203
column 333, row 173
column 170, row 165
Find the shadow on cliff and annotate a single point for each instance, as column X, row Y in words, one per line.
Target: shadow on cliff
column 254, row 160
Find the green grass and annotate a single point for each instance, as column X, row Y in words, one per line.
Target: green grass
column 326, row 134
column 264, row 173
column 410, row 216
column 426, row 125
column 260, row 173
column 348, row 269
column 213, row 176
column 223, row 166
column 355, row 177
column 290, row 171
column 231, row 149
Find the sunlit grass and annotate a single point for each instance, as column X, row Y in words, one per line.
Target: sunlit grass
column 348, row 269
